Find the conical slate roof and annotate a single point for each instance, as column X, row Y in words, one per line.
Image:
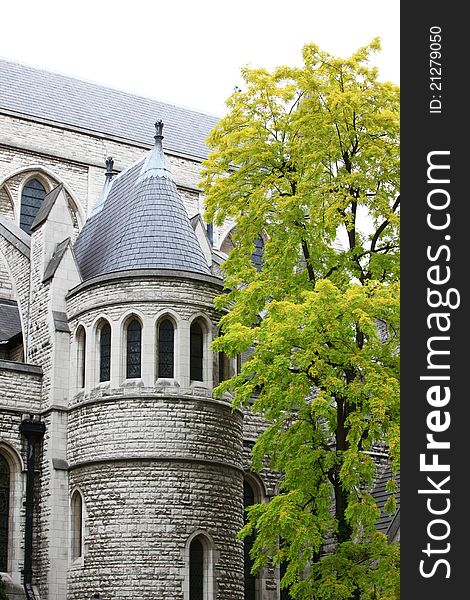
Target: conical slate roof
column 142, row 224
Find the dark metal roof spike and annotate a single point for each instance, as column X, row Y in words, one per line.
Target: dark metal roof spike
column 109, row 168
column 158, row 131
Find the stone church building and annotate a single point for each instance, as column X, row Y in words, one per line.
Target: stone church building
column 120, row 475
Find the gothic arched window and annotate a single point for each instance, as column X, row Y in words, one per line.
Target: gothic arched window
column 196, row 352
column 166, row 349
column 31, row 199
column 196, row 570
column 250, row 580
column 224, row 364
column 257, row 256
column 4, row 512
column 81, row 353
column 76, row 525
column 105, row 352
column 134, row 350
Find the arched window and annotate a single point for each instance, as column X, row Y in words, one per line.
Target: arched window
column 250, row 580
column 257, row 256
column 134, row 350
column 105, row 352
column 224, row 364
column 4, row 512
column 196, row 351
column 196, row 570
column 31, row 199
column 166, row 349
column 76, row 507
column 81, row 353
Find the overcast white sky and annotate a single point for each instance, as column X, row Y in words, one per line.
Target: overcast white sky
column 186, row 52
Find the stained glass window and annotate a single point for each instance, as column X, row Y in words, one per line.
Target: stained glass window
column 250, row 580
column 196, row 352
column 4, row 512
column 224, row 367
column 31, row 199
column 196, row 570
column 134, row 349
column 105, row 352
column 257, row 256
column 166, row 349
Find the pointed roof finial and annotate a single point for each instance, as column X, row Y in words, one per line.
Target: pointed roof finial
column 154, row 165
column 109, row 168
column 158, row 131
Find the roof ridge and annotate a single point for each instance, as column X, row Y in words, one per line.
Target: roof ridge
column 107, row 86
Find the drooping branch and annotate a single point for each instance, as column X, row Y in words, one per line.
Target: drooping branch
column 383, row 225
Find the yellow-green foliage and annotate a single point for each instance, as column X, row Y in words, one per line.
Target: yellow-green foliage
column 300, row 156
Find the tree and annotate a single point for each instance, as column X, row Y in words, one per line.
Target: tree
column 302, row 155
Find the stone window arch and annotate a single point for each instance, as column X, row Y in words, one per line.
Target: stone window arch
column 227, row 366
column 5, row 490
column 199, row 568
column 166, row 348
column 253, row 493
column 133, row 336
column 76, row 525
column 257, row 255
column 80, row 338
column 196, row 351
column 11, row 505
column 104, row 346
column 32, row 196
column 249, row 579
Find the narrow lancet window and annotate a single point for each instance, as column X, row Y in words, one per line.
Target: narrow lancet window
column 196, row 570
column 4, row 512
column 105, row 352
column 196, row 344
column 166, row 349
column 81, row 353
column 250, row 579
column 134, row 350
column 31, row 199
column 77, row 525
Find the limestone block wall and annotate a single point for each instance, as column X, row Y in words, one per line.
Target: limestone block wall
column 141, row 515
column 20, row 389
column 76, row 159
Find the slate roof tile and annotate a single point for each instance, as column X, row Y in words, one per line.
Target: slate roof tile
column 143, row 224
column 386, row 521
column 62, row 99
column 10, row 324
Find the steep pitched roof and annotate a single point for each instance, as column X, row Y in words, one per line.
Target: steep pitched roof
column 10, row 324
column 143, row 224
column 46, row 206
column 65, row 100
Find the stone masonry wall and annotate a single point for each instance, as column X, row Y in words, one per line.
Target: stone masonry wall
column 139, row 518
column 20, row 388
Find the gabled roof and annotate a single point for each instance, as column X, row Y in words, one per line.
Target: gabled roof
column 46, row 206
column 10, row 324
column 15, row 235
column 143, row 224
column 34, row 92
column 56, row 257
